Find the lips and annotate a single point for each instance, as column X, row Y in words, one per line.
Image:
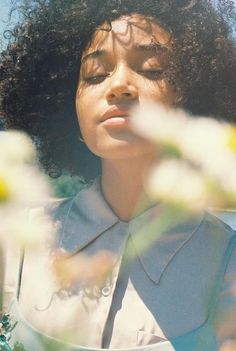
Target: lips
column 116, row 117
column 115, row 112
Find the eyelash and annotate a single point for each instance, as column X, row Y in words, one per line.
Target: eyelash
column 153, row 74
column 149, row 74
column 96, row 79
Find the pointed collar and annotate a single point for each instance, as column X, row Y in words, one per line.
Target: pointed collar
column 156, row 242
column 89, row 216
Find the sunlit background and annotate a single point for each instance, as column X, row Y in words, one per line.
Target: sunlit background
column 5, row 20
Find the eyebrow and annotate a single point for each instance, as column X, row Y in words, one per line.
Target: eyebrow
column 93, row 54
column 138, row 47
column 150, row 47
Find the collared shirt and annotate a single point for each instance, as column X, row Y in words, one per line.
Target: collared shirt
column 161, row 293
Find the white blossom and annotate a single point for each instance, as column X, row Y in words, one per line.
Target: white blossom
column 22, row 186
column 206, row 145
column 16, row 147
column 176, row 183
column 29, row 227
column 156, row 123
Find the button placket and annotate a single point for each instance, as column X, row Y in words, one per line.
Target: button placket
column 117, row 236
column 106, row 291
column 105, row 302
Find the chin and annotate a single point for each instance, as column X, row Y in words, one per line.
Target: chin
column 124, row 151
column 119, row 145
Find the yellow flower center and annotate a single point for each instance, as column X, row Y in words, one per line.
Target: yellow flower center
column 4, row 190
column 232, row 139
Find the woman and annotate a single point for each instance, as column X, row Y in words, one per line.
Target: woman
column 109, row 56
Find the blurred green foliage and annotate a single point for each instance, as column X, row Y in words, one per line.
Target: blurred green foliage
column 66, row 185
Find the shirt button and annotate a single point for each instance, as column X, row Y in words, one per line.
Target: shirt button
column 106, row 291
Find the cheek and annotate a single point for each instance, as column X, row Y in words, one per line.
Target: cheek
column 81, row 104
column 162, row 92
column 85, row 101
column 84, row 110
column 81, row 108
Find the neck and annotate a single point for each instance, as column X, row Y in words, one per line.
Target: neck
column 123, row 186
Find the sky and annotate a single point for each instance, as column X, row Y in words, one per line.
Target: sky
column 4, row 16
column 4, row 6
column 4, row 13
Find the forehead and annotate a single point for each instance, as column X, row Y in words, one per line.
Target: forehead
column 129, row 31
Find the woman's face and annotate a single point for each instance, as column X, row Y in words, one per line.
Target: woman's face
column 120, row 68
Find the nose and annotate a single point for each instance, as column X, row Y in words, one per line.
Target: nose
column 122, row 87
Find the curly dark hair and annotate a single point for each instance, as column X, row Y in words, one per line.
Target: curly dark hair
column 39, row 70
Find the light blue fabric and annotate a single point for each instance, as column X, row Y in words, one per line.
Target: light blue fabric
column 215, row 240
column 201, row 339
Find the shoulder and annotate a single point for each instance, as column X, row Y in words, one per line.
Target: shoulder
column 216, row 230
column 226, row 307
column 217, row 223
column 58, row 208
column 207, row 249
column 227, row 297
column 219, row 229
column 229, row 287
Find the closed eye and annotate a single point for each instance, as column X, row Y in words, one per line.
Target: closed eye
column 152, row 74
column 95, row 79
